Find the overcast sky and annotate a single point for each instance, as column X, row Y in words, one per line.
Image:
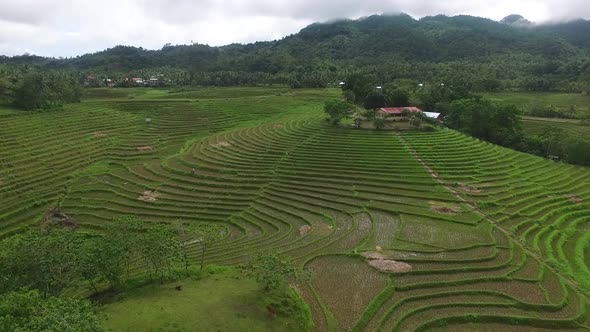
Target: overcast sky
column 74, row 27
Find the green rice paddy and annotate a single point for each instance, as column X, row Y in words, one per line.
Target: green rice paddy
column 560, row 101
column 496, row 239
column 572, row 128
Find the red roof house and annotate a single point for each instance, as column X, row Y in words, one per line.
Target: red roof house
column 396, row 111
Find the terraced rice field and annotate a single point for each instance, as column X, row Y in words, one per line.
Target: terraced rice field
column 484, row 237
column 573, row 128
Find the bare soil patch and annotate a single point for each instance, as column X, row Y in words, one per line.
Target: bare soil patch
column 57, row 217
column 149, row 196
column 467, row 188
column 383, row 262
column 432, row 173
column 278, row 126
column 145, row 148
column 221, row 144
column 574, row 198
column 445, row 209
column 99, row 134
column 304, row 229
column 387, row 265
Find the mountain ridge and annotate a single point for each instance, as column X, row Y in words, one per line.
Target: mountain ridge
column 391, row 23
column 452, row 48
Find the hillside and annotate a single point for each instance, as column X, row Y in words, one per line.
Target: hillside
column 483, row 236
column 399, row 46
column 430, row 39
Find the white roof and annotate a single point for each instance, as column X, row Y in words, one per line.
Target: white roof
column 432, row 115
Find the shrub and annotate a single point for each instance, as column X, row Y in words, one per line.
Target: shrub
column 337, row 110
column 379, row 123
column 428, row 128
column 29, row 311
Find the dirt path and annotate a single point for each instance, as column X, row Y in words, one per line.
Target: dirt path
column 496, row 225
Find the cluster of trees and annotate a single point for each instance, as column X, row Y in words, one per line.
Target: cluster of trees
column 500, row 124
column 39, row 265
column 274, row 273
column 56, row 258
column 554, row 141
column 552, row 112
column 486, row 120
column 338, row 110
column 35, row 89
column 362, row 90
column 27, row 310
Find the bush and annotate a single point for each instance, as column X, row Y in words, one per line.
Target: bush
column 45, row 90
column 29, row 311
column 578, row 152
column 379, row 123
column 272, row 271
column 428, row 128
column 337, row 110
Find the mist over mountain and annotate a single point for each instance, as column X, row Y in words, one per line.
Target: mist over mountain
column 367, row 40
column 516, row 20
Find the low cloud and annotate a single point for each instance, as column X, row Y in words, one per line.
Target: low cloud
column 74, row 27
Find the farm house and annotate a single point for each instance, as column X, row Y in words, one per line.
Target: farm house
column 395, row 112
column 433, row 115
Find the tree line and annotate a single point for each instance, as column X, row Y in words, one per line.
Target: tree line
column 56, row 258
column 483, row 55
column 38, row 89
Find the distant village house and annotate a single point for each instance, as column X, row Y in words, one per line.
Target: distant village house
column 109, row 83
column 90, row 81
column 397, row 113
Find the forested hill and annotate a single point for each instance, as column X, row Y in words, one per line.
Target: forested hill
column 557, row 52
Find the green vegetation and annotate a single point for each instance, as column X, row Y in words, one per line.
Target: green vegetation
column 221, row 300
column 399, row 230
column 338, row 110
column 537, row 103
column 57, row 258
column 471, row 52
column 33, row 89
column 271, row 271
column 485, row 120
column 29, row 311
column 567, row 139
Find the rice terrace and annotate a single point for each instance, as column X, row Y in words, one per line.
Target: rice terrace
column 370, row 172
column 399, row 230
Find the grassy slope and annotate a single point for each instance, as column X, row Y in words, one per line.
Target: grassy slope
column 561, row 101
column 536, row 126
column 219, row 302
column 182, row 93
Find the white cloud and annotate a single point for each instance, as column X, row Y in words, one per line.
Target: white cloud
column 73, row 27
